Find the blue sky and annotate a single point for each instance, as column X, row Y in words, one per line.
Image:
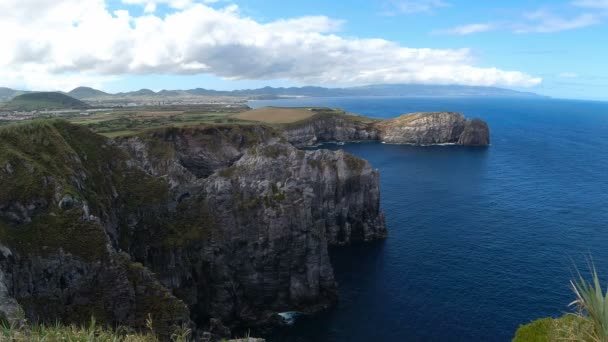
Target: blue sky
column 556, row 48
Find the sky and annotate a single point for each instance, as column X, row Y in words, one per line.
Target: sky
column 555, row 48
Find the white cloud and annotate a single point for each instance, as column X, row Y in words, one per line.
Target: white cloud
column 467, row 29
column 542, row 21
column 394, row 7
column 72, row 42
column 150, row 5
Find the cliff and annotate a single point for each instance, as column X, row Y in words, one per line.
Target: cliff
column 416, row 128
column 212, row 227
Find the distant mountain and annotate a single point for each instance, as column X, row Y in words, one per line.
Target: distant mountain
column 173, row 93
column 8, row 93
column 86, row 93
column 406, row 90
column 42, row 101
column 141, row 92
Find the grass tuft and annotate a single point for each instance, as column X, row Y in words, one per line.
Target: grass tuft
column 592, row 303
column 93, row 332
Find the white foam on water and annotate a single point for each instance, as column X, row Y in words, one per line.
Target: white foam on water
column 289, row 317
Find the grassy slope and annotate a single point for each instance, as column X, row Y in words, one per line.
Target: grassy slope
column 44, row 160
column 296, row 116
column 90, row 333
column 41, row 101
column 278, row 115
column 566, row 328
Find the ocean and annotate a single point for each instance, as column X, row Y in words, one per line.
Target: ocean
column 481, row 240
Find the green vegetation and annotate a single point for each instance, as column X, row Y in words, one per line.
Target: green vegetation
column 45, row 160
column 589, row 297
column 86, row 92
column 129, row 122
column 42, row 101
column 567, row 328
column 274, row 151
column 48, row 233
column 354, row 163
column 91, row 333
column 590, row 324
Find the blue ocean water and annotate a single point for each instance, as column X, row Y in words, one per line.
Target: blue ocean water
column 481, row 239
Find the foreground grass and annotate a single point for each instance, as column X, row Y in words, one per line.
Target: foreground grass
column 566, row 328
column 590, row 324
column 91, row 333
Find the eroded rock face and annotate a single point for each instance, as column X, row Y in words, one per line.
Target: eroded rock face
column 417, row 128
column 270, row 217
column 10, row 311
column 476, row 133
column 329, row 128
column 223, row 226
column 422, row 129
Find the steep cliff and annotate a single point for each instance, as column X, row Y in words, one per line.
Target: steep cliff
column 416, row 128
column 330, row 126
column 205, row 226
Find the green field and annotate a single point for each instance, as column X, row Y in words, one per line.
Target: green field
column 129, row 121
column 126, row 121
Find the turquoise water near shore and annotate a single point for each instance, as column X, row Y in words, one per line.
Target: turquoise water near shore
column 481, row 239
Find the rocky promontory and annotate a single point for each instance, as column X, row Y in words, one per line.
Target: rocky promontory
column 324, row 125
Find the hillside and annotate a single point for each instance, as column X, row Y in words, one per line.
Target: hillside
column 42, row 101
column 8, row 93
column 86, row 93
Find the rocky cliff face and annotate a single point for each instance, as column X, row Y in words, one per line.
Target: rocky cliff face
column 476, row 133
column 330, row 127
column 222, row 225
column 417, row 128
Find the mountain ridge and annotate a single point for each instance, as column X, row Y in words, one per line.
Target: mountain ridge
column 396, row 90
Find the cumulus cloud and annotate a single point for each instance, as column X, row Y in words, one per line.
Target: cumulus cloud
column 71, row 42
column 150, row 5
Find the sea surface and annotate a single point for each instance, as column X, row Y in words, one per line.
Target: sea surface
column 481, row 239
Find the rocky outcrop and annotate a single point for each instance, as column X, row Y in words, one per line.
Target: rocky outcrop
column 422, row 128
column 266, row 221
column 217, row 227
column 476, row 133
column 330, row 127
column 417, row 128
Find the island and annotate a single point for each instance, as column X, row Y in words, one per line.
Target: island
column 215, row 227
